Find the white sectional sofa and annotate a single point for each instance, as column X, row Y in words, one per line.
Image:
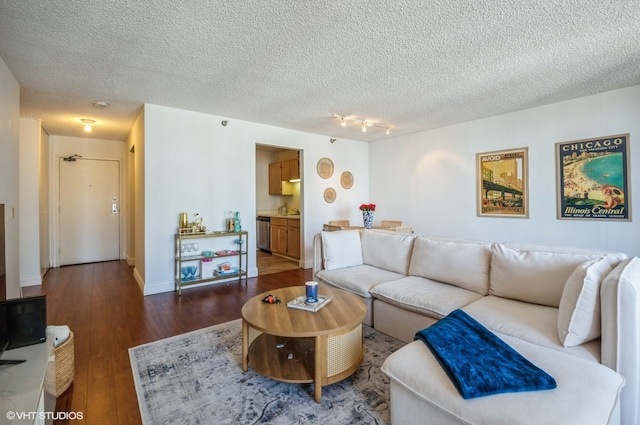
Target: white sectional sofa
column 573, row 312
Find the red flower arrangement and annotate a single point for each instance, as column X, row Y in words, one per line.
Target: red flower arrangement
column 368, row 207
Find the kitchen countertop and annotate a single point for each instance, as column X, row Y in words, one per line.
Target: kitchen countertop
column 275, row 214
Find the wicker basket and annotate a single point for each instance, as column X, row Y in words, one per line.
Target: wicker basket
column 60, row 370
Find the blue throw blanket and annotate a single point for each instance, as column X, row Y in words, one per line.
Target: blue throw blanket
column 478, row 362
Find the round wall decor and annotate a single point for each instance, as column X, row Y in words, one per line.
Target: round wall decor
column 325, row 168
column 346, row 180
column 329, row 195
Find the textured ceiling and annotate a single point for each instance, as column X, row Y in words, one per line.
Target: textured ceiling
column 415, row 64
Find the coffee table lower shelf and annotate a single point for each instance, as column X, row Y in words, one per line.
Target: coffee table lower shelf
column 322, row 359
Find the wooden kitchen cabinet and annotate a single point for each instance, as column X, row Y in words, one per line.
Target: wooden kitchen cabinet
column 277, row 185
column 285, row 237
column 279, row 236
column 291, row 169
column 293, row 238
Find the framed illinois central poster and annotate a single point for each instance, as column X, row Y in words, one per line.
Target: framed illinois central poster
column 593, row 178
column 502, row 183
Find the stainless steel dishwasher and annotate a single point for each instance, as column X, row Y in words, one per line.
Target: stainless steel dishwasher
column 263, row 233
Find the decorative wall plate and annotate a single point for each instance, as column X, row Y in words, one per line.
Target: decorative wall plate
column 329, row 195
column 346, row 180
column 325, row 168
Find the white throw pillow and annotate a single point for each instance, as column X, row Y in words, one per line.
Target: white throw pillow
column 579, row 313
column 341, row 249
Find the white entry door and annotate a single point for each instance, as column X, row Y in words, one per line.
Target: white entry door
column 89, row 211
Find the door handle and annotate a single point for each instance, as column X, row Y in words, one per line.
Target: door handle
column 114, row 208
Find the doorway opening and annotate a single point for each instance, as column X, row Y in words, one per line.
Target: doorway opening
column 278, row 209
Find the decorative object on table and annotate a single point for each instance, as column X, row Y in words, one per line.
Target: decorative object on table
column 346, row 180
column 236, row 223
column 593, row 177
column 193, row 227
column 225, row 269
column 270, row 299
column 502, row 188
column 325, row 168
column 222, row 253
column 206, row 268
column 184, row 220
column 197, row 224
column 301, row 303
column 230, row 221
column 311, row 291
column 329, row 195
column 189, row 273
column 367, row 214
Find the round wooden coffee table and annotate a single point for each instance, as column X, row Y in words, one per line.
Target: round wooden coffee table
column 298, row 346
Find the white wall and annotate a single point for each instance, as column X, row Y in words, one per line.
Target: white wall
column 429, row 179
column 136, row 210
column 30, row 132
column 63, row 146
column 44, row 193
column 194, row 164
column 9, row 175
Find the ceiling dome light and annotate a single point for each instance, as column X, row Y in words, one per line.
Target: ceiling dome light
column 88, row 124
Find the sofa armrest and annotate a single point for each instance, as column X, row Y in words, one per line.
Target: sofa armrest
column 620, row 310
column 317, row 254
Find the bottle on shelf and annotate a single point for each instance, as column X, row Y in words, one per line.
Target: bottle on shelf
column 230, row 222
column 236, row 224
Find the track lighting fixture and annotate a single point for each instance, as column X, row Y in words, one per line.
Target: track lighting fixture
column 363, row 123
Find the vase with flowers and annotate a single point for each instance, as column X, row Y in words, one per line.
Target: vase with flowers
column 367, row 214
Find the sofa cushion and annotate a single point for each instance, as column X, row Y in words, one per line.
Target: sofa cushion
column 533, row 323
column 461, row 263
column 424, row 296
column 532, row 276
column 579, row 312
column 357, row 279
column 341, row 249
column 421, row 391
column 387, row 250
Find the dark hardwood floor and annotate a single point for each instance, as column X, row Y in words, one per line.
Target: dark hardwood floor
column 105, row 309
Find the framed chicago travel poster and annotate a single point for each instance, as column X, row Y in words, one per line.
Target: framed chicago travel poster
column 593, row 178
column 502, row 183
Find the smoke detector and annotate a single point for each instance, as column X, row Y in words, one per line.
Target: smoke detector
column 100, row 104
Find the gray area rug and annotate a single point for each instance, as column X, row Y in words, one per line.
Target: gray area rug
column 197, row 378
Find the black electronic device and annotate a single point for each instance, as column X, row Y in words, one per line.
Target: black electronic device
column 23, row 321
column 3, row 346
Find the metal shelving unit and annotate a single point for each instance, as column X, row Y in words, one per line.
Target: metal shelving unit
column 237, row 239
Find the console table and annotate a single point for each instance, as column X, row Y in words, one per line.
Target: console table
column 22, row 385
